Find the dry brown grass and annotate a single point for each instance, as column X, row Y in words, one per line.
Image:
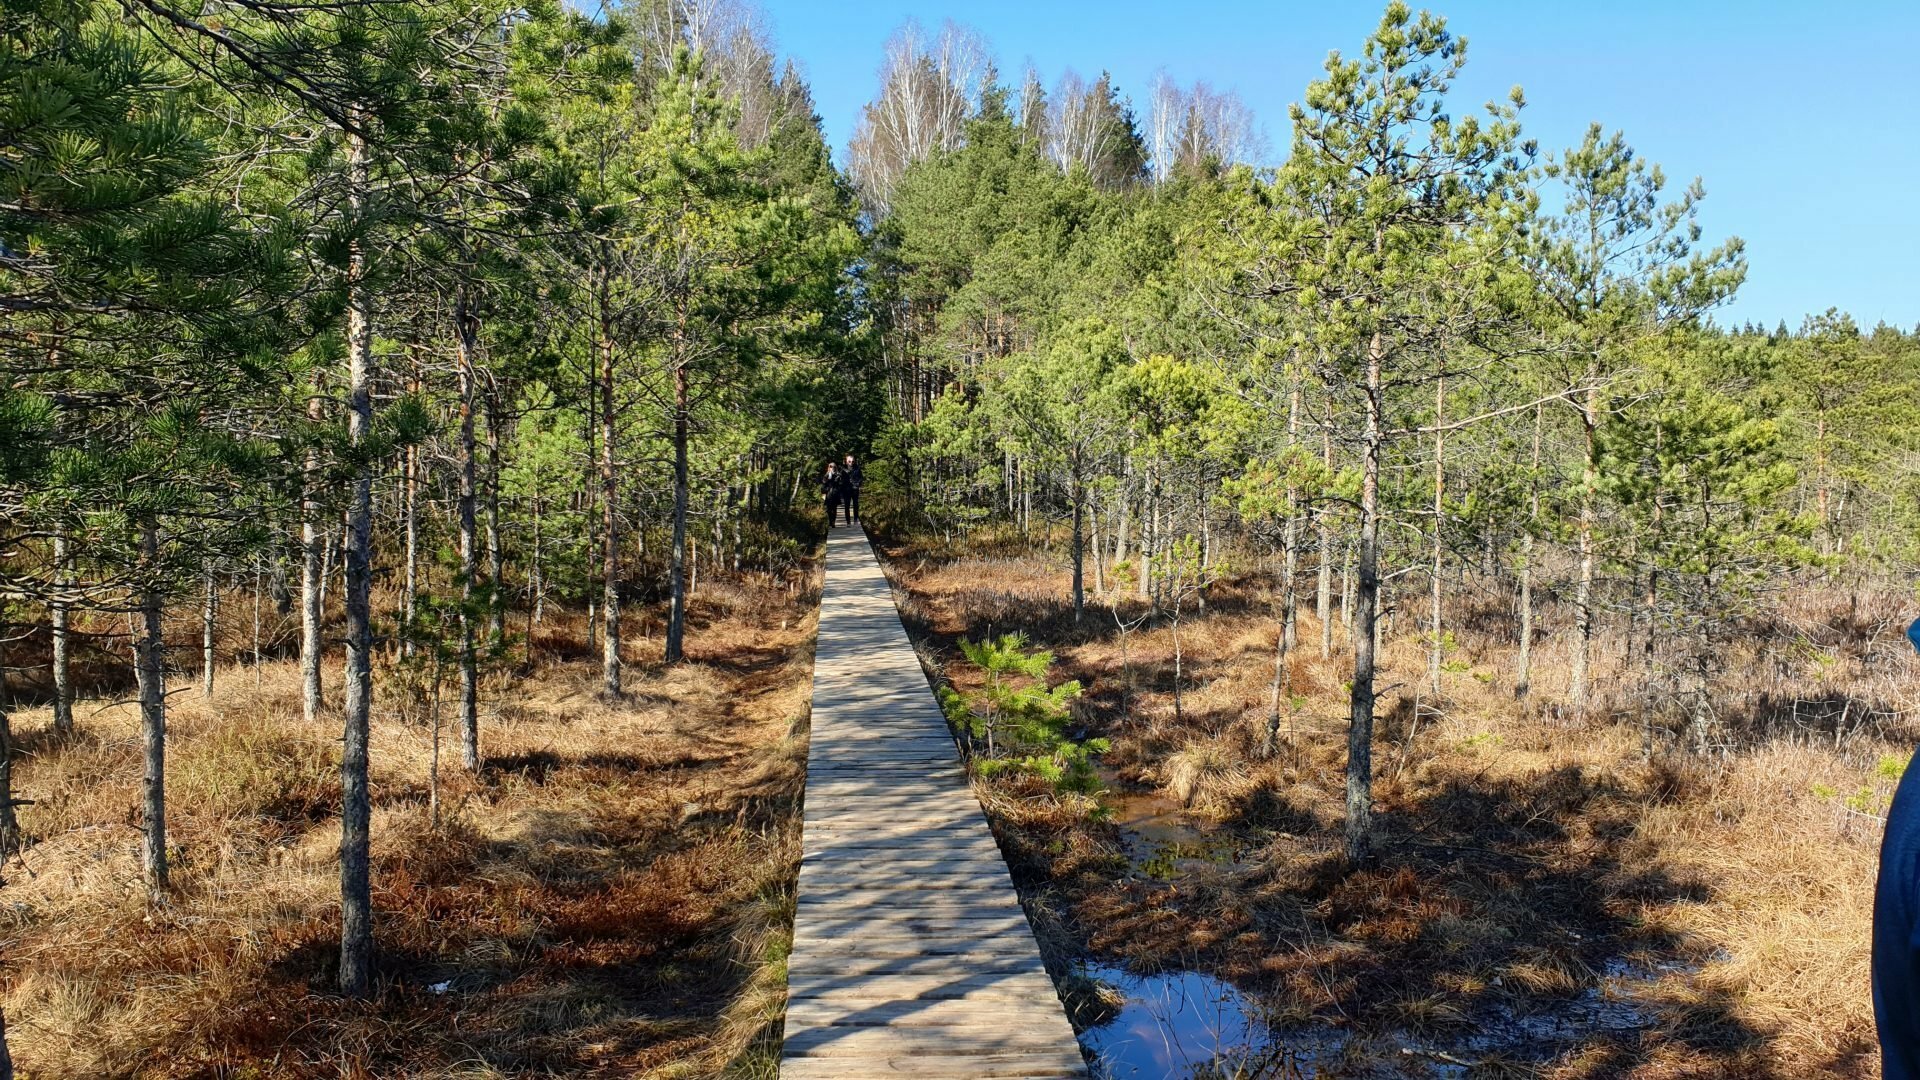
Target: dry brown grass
column 1520, row 849
column 1204, row 776
column 610, row 896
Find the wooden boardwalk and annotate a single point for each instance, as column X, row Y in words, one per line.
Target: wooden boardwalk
column 911, row 954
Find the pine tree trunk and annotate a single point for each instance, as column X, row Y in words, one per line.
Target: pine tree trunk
column 496, row 554
column 1820, row 481
column 1280, row 690
column 209, row 611
column 1006, row 477
column 410, row 518
column 677, row 602
column 313, row 581
column 151, row 677
column 9, row 821
column 1079, row 495
column 256, row 625
column 356, row 898
column 1178, row 710
column 466, row 339
column 1096, row 543
column 62, row 640
column 1206, row 528
column 1650, row 602
column 1323, row 591
column 595, row 542
column 1577, row 688
column 1435, row 643
column 1523, row 659
column 609, row 525
column 1290, row 540
column 1324, row 599
column 539, row 570
column 329, row 555
column 1359, row 826
column 1347, row 552
column 1149, row 537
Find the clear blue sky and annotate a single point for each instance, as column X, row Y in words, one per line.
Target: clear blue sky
column 1803, row 118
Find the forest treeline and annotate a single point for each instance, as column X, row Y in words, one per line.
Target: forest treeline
column 402, row 316
column 410, row 320
column 1424, row 372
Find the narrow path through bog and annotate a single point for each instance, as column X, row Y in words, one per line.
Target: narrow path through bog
column 911, row 954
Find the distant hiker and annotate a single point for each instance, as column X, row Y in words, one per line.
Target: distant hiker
column 843, row 493
column 855, row 477
column 830, row 491
column 1896, row 929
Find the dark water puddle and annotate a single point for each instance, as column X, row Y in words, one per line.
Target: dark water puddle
column 1176, row 1023
column 1160, row 837
column 1189, row 1025
column 1186, row 1024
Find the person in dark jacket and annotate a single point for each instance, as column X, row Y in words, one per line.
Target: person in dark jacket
column 1896, row 929
column 843, row 491
column 830, row 491
column 1896, row 936
column 855, row 477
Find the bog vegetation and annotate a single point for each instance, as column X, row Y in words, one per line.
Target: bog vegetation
column 392, row 394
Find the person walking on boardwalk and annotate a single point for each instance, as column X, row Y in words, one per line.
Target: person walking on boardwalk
column 830, row 491
column 855, row 477
column 843, row 494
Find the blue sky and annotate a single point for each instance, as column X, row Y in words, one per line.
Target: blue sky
column 1802, row 118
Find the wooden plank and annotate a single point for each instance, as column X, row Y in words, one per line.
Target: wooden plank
column 855, row 1041
column 1027, row 985
column 1034, row 1066
column 983, row 963
column 911, row 953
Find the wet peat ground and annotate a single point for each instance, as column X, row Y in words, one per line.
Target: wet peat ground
column 1543, row 904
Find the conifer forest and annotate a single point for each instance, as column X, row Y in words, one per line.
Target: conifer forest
column 1373, row 585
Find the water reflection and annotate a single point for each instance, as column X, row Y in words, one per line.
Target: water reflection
column 1173, row 1024
column 1160, row 837
column 1189, row 1025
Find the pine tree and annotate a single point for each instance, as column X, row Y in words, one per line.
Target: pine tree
column 1388, row 178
